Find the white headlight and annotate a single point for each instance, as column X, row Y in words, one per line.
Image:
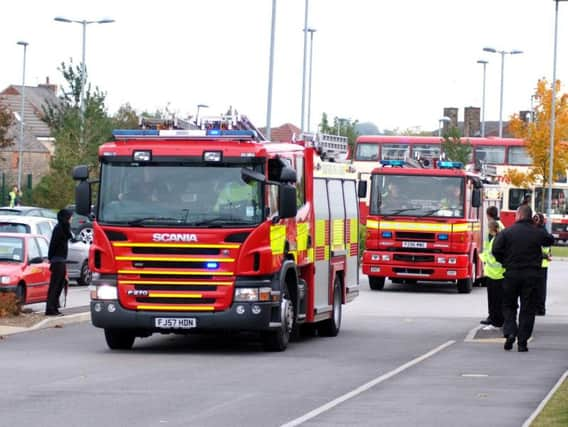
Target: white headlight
column 107, row 292
column 4, row 280
column 246, row 294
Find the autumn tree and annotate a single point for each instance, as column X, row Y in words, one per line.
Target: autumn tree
column 125, row 117
column 6, row 121
column 343, row 127
column 455, row 148
column 536, row 133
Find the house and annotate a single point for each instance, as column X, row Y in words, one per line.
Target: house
column 285, row 133
column 37, row 147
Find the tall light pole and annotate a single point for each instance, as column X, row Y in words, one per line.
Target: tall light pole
column 23, row 95
column 199, row 107
column 84, row 23
column 552, row 120
column 311, row 31
column 304, row 66
column 502, row 53
column 484, row 63
column 441, row 122
column 270, row 74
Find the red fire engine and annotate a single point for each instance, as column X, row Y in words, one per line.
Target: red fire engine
column 213, row 228
column 423, row 225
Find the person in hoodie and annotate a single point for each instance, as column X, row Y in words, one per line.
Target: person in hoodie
column 57, row 256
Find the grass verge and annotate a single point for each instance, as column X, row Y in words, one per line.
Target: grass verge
column 555, row 413
column 560, row 251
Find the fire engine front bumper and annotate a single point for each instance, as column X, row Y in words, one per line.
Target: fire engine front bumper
column 240, row 316
column 441, row 274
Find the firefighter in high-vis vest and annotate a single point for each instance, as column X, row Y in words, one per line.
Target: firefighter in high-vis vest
column 540, row 221
column 494, row 273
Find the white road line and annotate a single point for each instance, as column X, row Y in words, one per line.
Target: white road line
column 365, row 387
column 540, row 407
column 471, row 334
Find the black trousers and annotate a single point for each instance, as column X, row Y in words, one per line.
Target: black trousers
column 520, row 285
column 56, row 284
column 541, row 289
column 495, row 301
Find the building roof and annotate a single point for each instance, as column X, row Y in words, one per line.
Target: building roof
column 285, row 133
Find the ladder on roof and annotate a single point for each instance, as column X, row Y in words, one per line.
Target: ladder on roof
column 333, row 148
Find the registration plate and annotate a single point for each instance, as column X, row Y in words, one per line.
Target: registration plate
column 413, row 244
column 556, row 236
column 175, row 322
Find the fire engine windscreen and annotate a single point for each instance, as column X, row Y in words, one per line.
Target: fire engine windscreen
column 417, row 195
column 181, row 194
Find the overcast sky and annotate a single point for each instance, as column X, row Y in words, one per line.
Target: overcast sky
column 393, row 63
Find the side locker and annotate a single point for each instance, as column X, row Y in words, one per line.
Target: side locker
column 321, row 252
column 337, row 209
column 351, row 239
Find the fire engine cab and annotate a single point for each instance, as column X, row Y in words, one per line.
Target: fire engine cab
column 423, row 225
column 213, row 228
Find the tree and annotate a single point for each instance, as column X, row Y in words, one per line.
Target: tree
column 343, row 127
column 125, row 118
column 454, row 148
column 6, row 121
column 64, row 119
column 536, row 133
column 367, row 128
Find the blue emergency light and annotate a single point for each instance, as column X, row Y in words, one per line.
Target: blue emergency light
column 393, row 163
column 444, row 164
column 212, row 265
column 135, row 132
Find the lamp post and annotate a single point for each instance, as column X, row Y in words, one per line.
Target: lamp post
column 304, row 66
column 199, row 107
column 441, row 122
column 552, row 120
column 23, row 95
column 84, row 23
column 270, row 74
column 502, row 53
column 311, row 31
column 484, row 63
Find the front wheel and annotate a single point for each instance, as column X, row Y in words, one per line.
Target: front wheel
column 278, row 340
column 21, row 293
column 330, row 327
column 119, row 339
column 465, row 286
column 85, row 276
column 376, row 283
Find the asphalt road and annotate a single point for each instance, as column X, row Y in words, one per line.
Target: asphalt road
column 404, row 357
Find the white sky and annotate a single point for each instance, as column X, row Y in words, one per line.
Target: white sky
column 394, row 63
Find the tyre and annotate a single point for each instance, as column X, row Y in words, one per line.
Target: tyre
column 86, row 235
column 330, row 327
column 465, row 285
column 376, row 283
column 278, row 340
column 85, row 276
column 119, row 339
column 21, row 293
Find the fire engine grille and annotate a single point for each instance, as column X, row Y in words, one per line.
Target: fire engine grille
column 168, row 264
column 425, row 272
column 175, row 287
column 413, row 235
column 176, row 276
column 413, row 258
column 166, row 300
column 175, row 251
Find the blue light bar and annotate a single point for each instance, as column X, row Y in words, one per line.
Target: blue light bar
column 230, row 132
column 135, row 132
column 450, row 165
column 392, row 163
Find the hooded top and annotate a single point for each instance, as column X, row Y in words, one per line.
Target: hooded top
column 60, row 236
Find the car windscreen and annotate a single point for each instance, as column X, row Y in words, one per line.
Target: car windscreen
column 11, row 249
column 12, row 227
column 178, row 195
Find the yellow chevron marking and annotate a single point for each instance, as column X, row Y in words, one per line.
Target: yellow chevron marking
column 175, row 308
column 184, row 273
column 175, row 245
column 163, row 258
column 172, row 295
column 171, row 282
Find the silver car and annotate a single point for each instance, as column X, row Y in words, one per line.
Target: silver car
column 78, row 255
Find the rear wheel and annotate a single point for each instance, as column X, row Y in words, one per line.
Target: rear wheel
column 119, row 339
column 376, row 283
column 278, row 340
column 330, row 327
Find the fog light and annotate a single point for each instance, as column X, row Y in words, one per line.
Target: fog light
column 111, row 308
column 452, row 273
column 441, row 260
column 256, row 309
column 98, row 307
column 452, row 261
column 240, row 309
column 386, row 257
column 375, row 257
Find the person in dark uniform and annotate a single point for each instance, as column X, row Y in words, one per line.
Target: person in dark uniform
column 57, row 255
column 519, row 249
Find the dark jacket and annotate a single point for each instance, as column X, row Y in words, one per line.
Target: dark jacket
column 60, row 238
column 519, row 246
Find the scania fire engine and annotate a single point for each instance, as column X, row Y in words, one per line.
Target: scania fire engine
column 214, row 228
column 423, row 225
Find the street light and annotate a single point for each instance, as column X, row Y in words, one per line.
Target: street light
column 441, row 122
column 304, row 66
column 270, row 74
column 311, row 31
column 552, row 120
column 484, row 62
column 502, row 53
column 199, row 107
column 23, row 95
column 84, row 23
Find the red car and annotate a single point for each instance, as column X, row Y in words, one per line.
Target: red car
column 24, row 267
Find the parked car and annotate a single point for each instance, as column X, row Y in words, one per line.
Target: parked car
column 24, row 268
column 28, row 211
column 78, row 256
column 81, row 226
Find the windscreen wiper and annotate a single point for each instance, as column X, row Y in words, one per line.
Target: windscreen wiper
column 220, row 221
column 155, row 220
column 399, row 211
